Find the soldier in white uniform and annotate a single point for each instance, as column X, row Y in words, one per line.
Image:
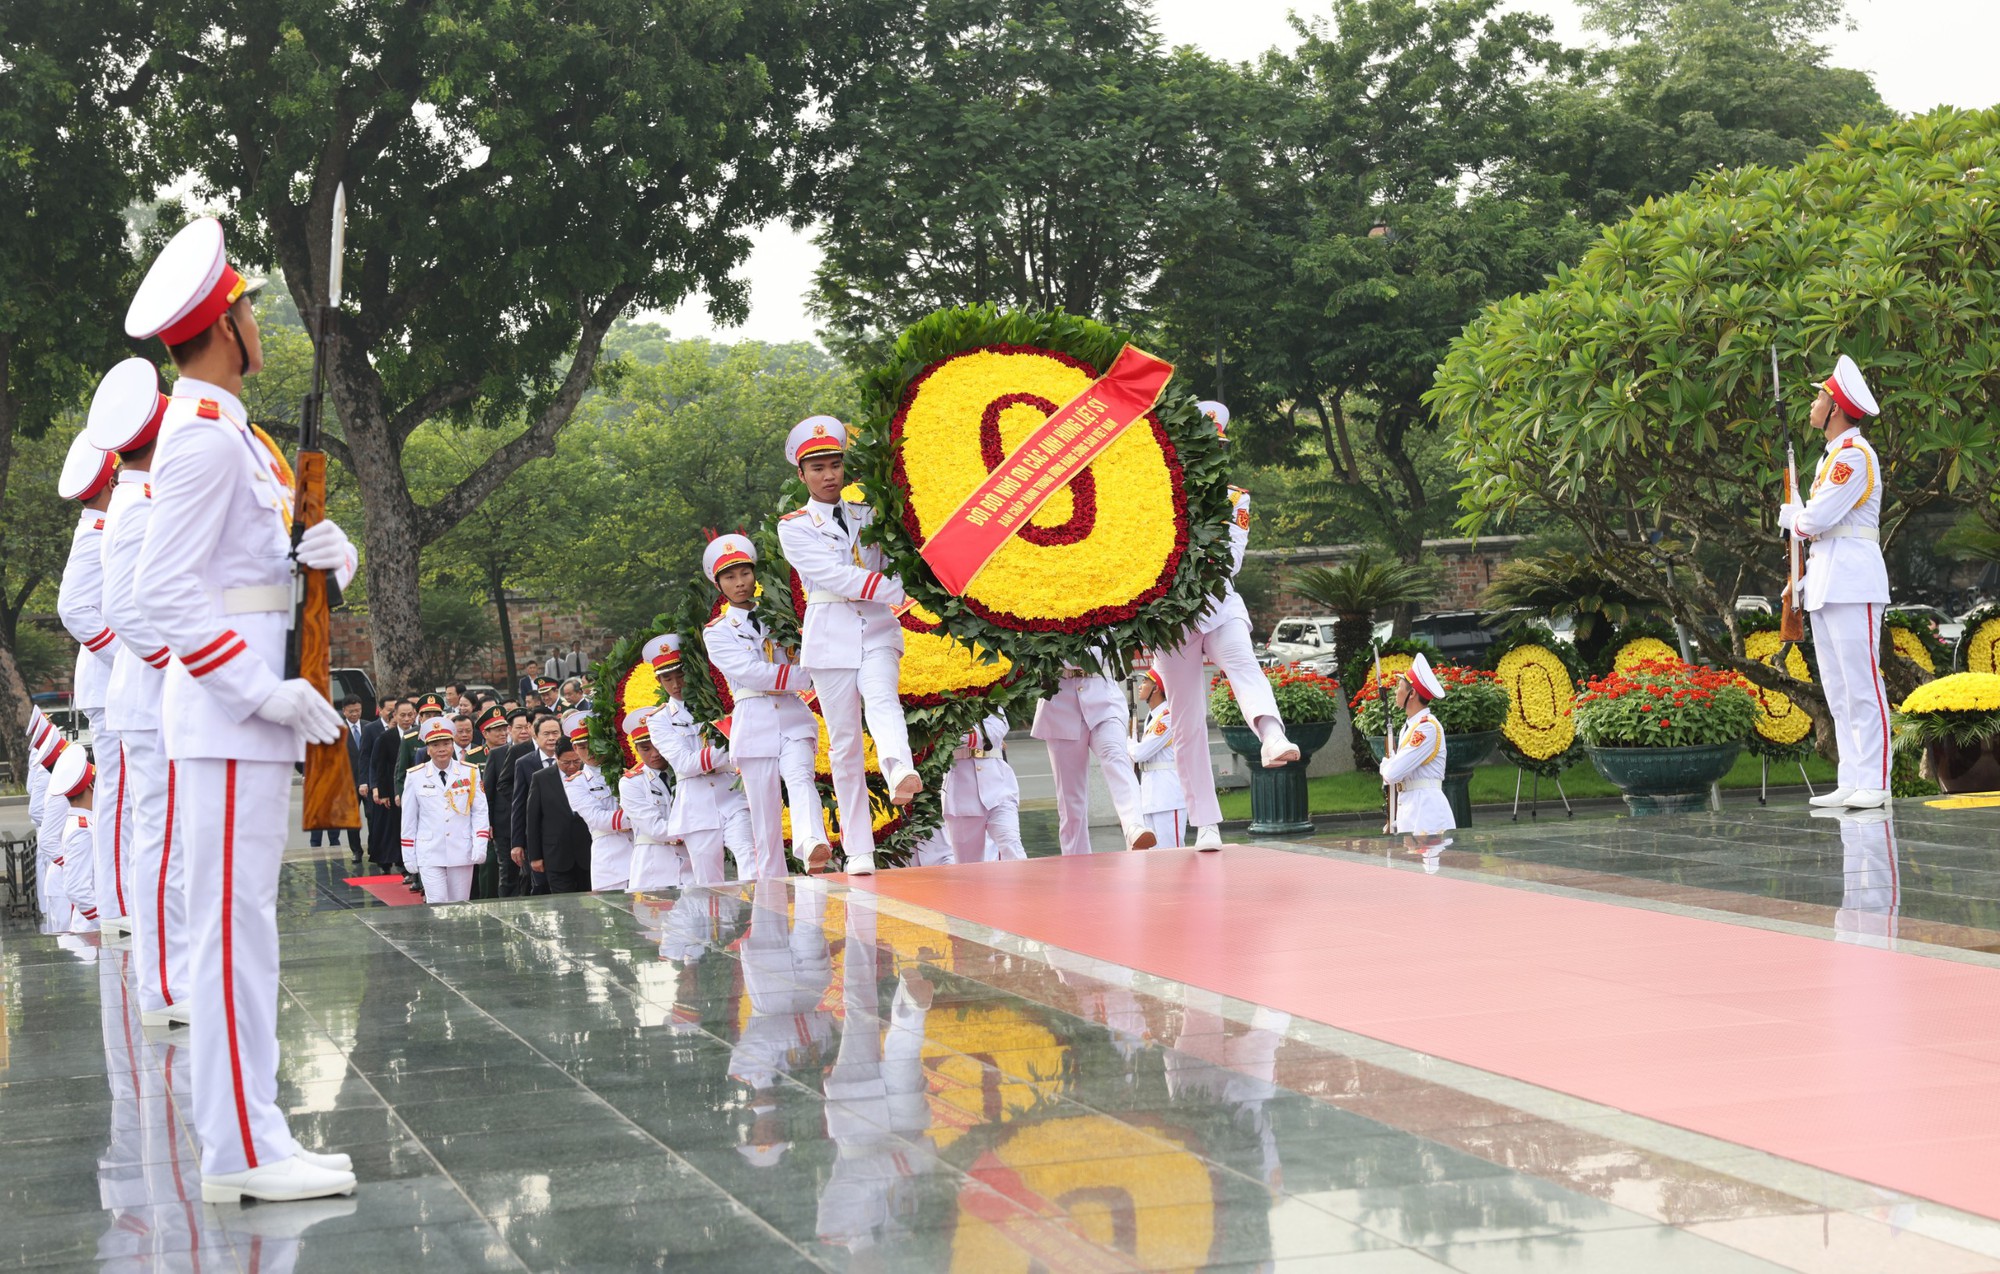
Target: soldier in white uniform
column 1871, row 889
column 1222, row 634
column 66, row 822
column 1846, row 587
column 50, row 810
column 215, row 582
column 786, row 971
column 40, row 731
column 594, row 800
column 1416, row 768
column 1086, row 715
column 1153, row 755
column 852, row 642
column 446, row 826
column 125, row 417
column 710, row 813
column 659, row 860
column 88, row 474
column 982, row 796
column 772, row 734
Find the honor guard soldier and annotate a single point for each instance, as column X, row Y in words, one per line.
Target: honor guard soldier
column 87, row 477
column 659, row 861
column 71, row 779
column 39, row 729
column 1087, row 714
column 982, row 796
column 446, row 825
column 772, row 734
column 52, row 892
column 710, row 813
column 852, row 641
column 1416, row 768
column 1846, row 586
column 412, row 751
column 215, row 583
column 125, row 417
column 1153, row 754
column 595, row 801
column 1222, row 635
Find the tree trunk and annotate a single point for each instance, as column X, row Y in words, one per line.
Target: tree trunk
column 1350, row 637
column 499, row 590
column 14, row 701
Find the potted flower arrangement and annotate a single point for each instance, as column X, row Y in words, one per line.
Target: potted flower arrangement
column 1956, row 719
column 1310, row 706
column 1472, row 712
column 1664, row 731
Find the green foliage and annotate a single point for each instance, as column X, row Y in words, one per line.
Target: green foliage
column 1356, row 590
column 1302, row 695
column 36, row 526
column 1662, row 705
column 1474, row 704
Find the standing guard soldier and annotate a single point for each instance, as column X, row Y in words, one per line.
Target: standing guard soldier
column 446, row 825
column 659, row 860
column 852, row 642
column 1846, row 587
column 125, row 417
column 710, row 813
column 594, row 800
column 215, row 582
column 68, row 816
column 1416, row 768
column 982, row 796
column 87, row 475
column 772, row 734
column 1159, row 778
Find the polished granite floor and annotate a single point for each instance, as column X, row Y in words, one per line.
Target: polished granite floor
column 797, row 1076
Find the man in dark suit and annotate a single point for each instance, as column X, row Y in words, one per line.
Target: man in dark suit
column 499, row 779
column 540, row 755
column 558, row 841
column 387, row 847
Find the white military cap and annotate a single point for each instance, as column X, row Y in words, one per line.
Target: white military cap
column 189, row 286
column 1218, row 413
column 663, row 652
column 126, row 410
column 814, row 435
column 49, row 746
column 1850, row 391
column 71, row 773
column 635, row 726
column 437, row 728
column 576, row 725
column 725, row 551
column 85, row 470
column 1425, row 680
column 38, row 722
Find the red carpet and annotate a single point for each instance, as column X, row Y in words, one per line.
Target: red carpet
column 388, row 889
column 1873, row 1064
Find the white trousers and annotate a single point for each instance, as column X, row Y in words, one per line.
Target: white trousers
column 1423, row 813
column 446, row 884
column 1846, row 636
column 111, row 823
column 659, row 866
column 968, row 833
column 237, row 812
column 159, row 874
column 847, row 696
column 1228, row 647
column 1169, row 828
column 1069, row 759
column 705, row 856
column 769, row 784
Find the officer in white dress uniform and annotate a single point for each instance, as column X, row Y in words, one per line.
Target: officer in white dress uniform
column 982, row 796
column 1416, row 768
column 67, row 822
column 50, row 812
column 41, row 731
column 88, row 474
column 1222, row 635
column 659, row 860
column 1871, row 893
column 594, row 799
column 786, row 971
column 1153, row 755
column 772, row 734
column 710, row 813
column 446, row 826
column 1087, row 714
column 1846, row 586
column 125, row 417
column 215, row 582
column 852, row 641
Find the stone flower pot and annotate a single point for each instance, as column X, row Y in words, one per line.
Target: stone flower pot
column 1665, row 780
column 1278, row 802
column 1967, row 769
column 1463, row 753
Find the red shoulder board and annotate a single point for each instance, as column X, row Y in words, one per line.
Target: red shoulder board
column 209, row 409
column 724, row 614
column 795, row 513
column 99, row 525
column 1845, row 445
column 635, row 771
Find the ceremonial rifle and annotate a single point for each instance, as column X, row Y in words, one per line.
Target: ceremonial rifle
column 1388, row 735
column 1791, row 618
column 330, row 801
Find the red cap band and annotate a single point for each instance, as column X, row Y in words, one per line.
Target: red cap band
column 1842, row 401
column 102, row 480
column 210, row 308
column 734, row 556
column 89, row 777
column 818, row 443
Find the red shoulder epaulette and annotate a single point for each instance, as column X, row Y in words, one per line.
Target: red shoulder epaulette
column 720, row 616
column 635, row 771
column 209, row 409
column 795, row 513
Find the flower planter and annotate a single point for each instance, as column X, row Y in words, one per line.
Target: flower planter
column 1967, row 769
column 1665, row 780
column 1463, row 753
column 1278, row 802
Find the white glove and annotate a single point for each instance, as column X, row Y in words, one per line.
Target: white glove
column 296, row 704
column 323, row 546
column 1788, row 515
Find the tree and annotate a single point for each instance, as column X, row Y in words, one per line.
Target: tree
column 35, row 530
column 518, row 175
column 1631, row 396
column 1353, row 593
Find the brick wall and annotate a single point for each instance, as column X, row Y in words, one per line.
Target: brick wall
column 1467, row 568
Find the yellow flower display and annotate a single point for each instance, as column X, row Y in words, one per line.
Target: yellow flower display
column 1982, row 648
column 1393, row 667
column 1643, row 650
column 1908, row 645
column 936, row 665
column 1540, row 696
column 1779, row 720
column 1959, row 692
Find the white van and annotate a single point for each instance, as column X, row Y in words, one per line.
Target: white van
column 1296, row 639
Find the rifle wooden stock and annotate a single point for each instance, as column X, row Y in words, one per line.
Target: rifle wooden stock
column 330, row 800
column 1791, row 620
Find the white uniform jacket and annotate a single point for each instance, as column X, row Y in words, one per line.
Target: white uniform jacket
column 763, row 680
column 80, row 605
column 139, row 671
column 1086, row 698
column 980, row 778
column 445, row 823
column 1846, row 492
column 1159, row 778
column 648, row 805
column 1229, row 606
column 847, row 595
column 1417, row 766
column 594, row 800
column 705, row 791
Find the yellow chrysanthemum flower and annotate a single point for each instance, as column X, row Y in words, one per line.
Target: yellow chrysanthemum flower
column 1641, row 650
column 1779, row 720
column 1908, row 645
column 1540, row 696
column 1982, row 652
column 1959, row 692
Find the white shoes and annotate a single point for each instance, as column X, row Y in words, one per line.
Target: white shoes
column 864, row 865
column 1867, row 798
column 117, row 927
column 292, row 1178
column 1832, row 800
column 1208, row 839
column 167, row 1018
column 1139, row 836
column 816, row 858
column 904, row 787
column 1279, row 750
column 336, row 1162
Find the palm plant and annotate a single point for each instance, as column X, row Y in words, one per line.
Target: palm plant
column 1559, row 582
column 1352, row 592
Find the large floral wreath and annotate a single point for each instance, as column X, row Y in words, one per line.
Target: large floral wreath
column 1784, row 730
column 1979, row 645
column 1641, row 639
column 1539, row 673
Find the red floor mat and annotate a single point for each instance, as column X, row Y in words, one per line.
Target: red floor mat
column 388, row 889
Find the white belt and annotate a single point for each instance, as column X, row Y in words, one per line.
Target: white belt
column 1421, row 785
column 257, row 599
column 822, row 596
column 1847, row 532
column 1155, row 767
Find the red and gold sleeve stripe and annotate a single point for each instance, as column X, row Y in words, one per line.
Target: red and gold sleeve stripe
column 707, row 760
column 784, row 675
column 869, row 585
column 99, row 642
column 215, row 654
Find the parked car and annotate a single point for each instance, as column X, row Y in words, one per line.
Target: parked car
column 1461, row 636
column 72, row 722
column 1296, row 639
column 1949, row 630
column 355, row 683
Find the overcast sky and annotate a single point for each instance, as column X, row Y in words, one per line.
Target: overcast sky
column 1922, row 53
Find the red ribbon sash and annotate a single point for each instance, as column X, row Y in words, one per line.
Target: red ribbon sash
column 1047, row 461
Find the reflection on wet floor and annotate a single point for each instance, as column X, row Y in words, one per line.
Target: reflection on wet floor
column 788, row 1075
